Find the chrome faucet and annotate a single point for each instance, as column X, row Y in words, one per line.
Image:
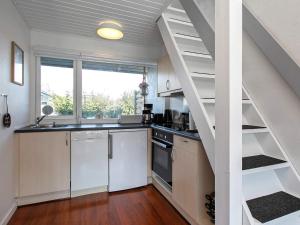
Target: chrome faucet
column 47, row 110
column 38, row 120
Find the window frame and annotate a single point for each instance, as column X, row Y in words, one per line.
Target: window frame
column 69, row 119
column 77, row 91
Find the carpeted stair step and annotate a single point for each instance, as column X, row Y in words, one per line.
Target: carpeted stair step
column 273, row 206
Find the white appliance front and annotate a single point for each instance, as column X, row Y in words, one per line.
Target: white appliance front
column 89, row 160
column 128, row 159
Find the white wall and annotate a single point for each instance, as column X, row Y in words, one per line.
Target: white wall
column 282, row 19
column 12, row 28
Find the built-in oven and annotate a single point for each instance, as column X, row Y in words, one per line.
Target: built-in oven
column 162, row 147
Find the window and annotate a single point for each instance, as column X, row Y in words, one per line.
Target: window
column 57, row 79
column 89, row 90
column 110, row 90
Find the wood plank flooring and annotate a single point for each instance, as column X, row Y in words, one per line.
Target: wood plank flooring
column 143, row 206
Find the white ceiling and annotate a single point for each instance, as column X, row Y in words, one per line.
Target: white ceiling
column 81, row 17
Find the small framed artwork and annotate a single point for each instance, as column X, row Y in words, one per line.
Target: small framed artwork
column 17, row 64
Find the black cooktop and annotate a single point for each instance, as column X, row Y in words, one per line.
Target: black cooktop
column 174, row 126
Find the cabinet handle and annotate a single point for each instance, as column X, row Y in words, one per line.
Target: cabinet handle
column 67, row 142
column 110, row 149
column 168, row 84
column 159, row 144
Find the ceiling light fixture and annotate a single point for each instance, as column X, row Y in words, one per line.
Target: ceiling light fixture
column 110, row 30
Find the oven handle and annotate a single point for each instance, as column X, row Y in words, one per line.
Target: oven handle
column 160, row 144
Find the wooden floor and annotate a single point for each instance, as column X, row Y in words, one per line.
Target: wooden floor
column 143, row 206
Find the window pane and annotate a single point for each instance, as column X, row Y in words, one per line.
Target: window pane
column 57, row 85
column 109, row 94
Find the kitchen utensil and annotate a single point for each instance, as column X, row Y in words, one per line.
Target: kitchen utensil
column 148, row 107
column 192, row 125
column 168, row 116
column 147, row 116
column 158, row 118
column 184, row 119
column 6, row 116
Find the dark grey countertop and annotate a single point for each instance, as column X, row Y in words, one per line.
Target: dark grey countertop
column 86, row 127
column 81, row 127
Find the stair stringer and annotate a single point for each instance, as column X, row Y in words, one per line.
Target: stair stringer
column 290, row 183
column 264, row 42
column 288, row 177
column 196, row 106
column 268, row 44
column 192, row 96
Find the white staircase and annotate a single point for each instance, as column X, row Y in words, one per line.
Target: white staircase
column 271, row 186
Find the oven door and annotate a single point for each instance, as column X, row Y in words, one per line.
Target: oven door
column 162, row 160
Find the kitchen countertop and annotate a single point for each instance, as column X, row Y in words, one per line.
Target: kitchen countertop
column 86, row 127
column 81, row 127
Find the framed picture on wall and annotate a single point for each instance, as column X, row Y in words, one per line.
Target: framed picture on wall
column 17, row 64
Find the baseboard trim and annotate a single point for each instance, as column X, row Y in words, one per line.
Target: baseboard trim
column 9, row 215
column 89, row 191
column 43, row 198
column 149, row 179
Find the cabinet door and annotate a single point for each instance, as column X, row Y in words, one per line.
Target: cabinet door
column 163, row 74
column 173, row 80
column 192, row 178
column 167, row 78
column 44, row 163
column 128, row 159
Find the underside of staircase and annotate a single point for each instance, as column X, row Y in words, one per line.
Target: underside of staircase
column 271, row 187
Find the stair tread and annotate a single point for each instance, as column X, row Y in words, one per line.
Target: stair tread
column 202, row 75
column 257, row 161
column 183, row 22
column 273, row 206
column 188, row 37
column 213, row 101
column 244, row 99
column 180, row 20
column 176, row 9
column 196, row 54
column 250, row 127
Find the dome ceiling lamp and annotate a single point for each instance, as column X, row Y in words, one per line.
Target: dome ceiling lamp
column 110, row 30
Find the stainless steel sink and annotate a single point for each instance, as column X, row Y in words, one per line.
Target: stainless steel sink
column 45, row 126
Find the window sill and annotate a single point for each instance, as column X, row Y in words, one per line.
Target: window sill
column 73, row 120
column 103, row 121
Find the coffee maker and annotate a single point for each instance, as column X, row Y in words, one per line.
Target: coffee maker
column 147, row 114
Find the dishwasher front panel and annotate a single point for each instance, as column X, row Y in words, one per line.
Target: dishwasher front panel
column 89, row 160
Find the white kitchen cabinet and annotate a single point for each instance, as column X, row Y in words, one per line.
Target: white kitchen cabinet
column 167, row 79
column 192, row 178
column 174, row 82
column 89, row 162
column 127, row 159
column 163, row 74
column 44, row 163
